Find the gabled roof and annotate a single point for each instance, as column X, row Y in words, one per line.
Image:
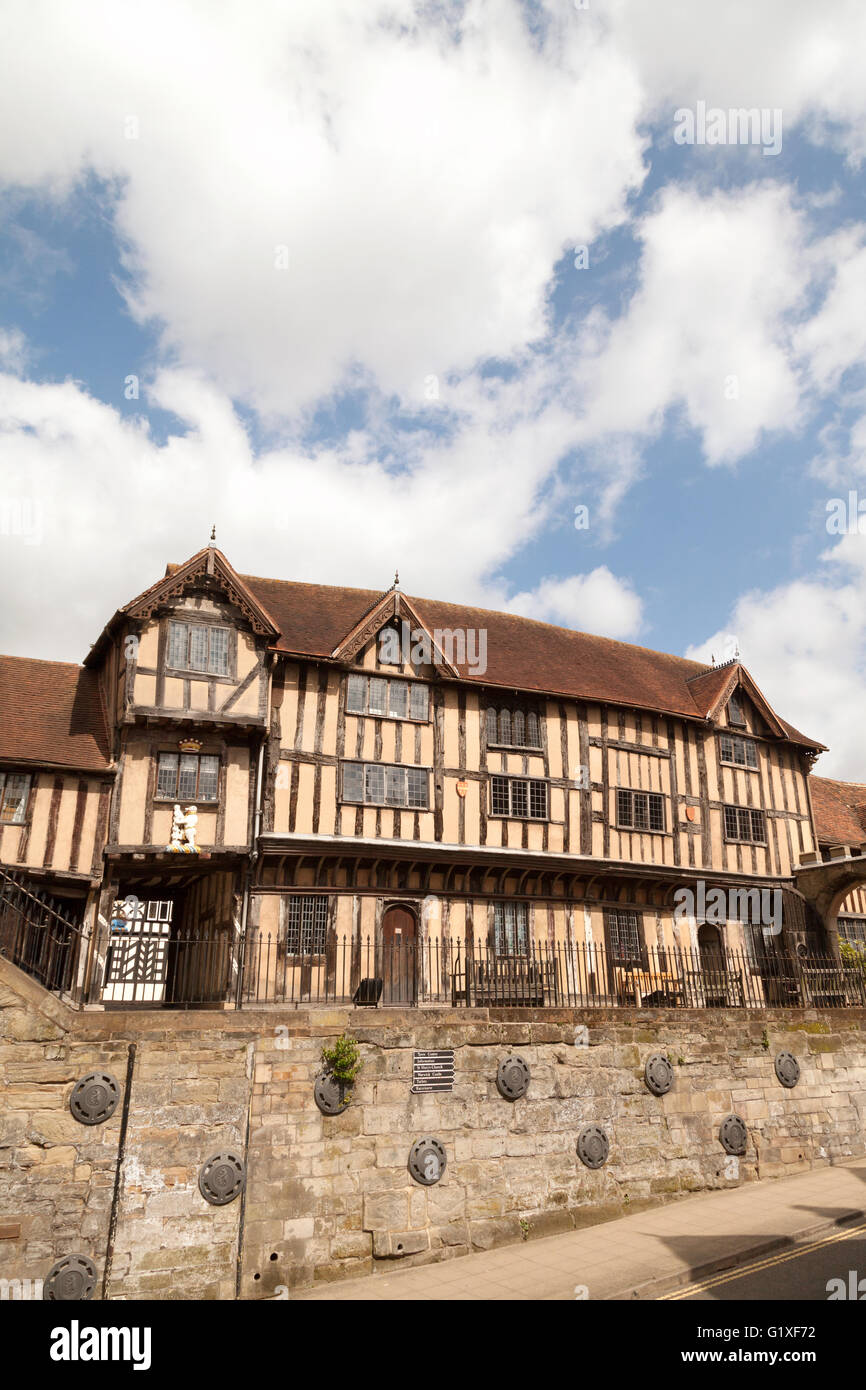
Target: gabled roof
column 52, row 713
column 330, row 623
column 715, row 687
column 207, row 564
column 314, row 620
column 210, row 564
column 840, row 811
column 392, row 607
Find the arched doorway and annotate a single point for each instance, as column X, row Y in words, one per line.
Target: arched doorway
column 399, row 964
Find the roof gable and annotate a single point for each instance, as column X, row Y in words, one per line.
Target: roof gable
column 393, row 608
column 211, row 567
column 714, row 688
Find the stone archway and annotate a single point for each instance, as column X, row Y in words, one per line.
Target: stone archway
column 825, row 884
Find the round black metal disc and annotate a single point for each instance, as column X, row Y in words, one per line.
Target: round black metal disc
column 512, row 1078
column 221, row 1179
column 73, row 1277
column 733, row 1135
column 658, row 1075
column 592, row 1146
column 329, row 1094
column 787, row 1069
column 427, row 1160
column 94, row 1098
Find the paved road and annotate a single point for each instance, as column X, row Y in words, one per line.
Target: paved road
column 797, row 1276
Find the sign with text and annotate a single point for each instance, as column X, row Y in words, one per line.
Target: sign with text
column 433, row 1071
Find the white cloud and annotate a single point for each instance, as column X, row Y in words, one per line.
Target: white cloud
column 14, row 350
column 595, row 602
column 804, row 58
column 116, row 505
column 423, row 187
column 709, row 329
column 805, row 645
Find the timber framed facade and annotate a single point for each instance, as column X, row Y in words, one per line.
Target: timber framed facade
column 246, row 759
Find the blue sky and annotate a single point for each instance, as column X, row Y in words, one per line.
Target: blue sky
column 336, row 250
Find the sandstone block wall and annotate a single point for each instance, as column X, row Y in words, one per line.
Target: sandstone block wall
column 331, row 1197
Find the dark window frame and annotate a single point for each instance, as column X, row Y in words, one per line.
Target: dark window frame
column 27, row 778
column 654, row 800
column 749, row 813
column 384, row 804
column 503, row 716
column 747, row 743
column 177, row 797
column 368, row 677
column 198, row 672
column 318, row 926
column 858, row 937
column 519, row 930
column 628, row 953
column 523, row 797
column 736, row 712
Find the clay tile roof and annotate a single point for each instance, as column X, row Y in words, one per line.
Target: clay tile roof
column 522, row 654
column 51, row 712
column 840, row 811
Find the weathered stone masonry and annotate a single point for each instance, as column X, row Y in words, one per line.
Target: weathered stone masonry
column 329, row 1197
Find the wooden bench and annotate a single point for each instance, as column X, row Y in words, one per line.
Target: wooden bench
column 509, row 981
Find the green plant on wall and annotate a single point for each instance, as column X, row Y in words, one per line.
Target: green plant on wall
column 853, row 958
column 343, row 1061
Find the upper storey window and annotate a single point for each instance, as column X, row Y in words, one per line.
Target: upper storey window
column 391, row 699
column 513, row 727
column 735, row 711
column 199, row 647
column 187, row 777
column 14, row 789
column 640, row 810
column 741, row 752
column 742, row 823
column 519, row 797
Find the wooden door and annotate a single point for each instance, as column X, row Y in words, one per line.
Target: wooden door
column 399, row 930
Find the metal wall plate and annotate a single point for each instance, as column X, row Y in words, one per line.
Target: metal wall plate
column 592, row 1146
column 512, row 1078
column 221, row 1179
column 73, row 1277
column 733, row 1135
column 330, row 1094
column 94, row 1098
column 787, row 1069
column 658, row 1075
column 427, row 1160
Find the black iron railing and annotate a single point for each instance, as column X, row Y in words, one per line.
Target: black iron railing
column 37, row 933
column 187, row 969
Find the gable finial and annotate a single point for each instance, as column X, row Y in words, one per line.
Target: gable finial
column 213, row 535
column 396, row 583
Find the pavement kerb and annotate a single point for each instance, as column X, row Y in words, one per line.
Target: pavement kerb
column 773, row 1245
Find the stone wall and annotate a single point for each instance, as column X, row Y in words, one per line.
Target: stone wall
column 330, row 1197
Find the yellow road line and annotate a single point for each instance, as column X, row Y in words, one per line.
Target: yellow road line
column 744, row 1270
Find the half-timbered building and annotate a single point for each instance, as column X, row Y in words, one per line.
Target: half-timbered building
column 307, row 782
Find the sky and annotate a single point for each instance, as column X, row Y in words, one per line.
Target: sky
column 492, row 293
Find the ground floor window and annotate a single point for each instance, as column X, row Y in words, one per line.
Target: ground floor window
column 307, row 925
column 510, row 929
column 624, row 936
column 853, row 930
